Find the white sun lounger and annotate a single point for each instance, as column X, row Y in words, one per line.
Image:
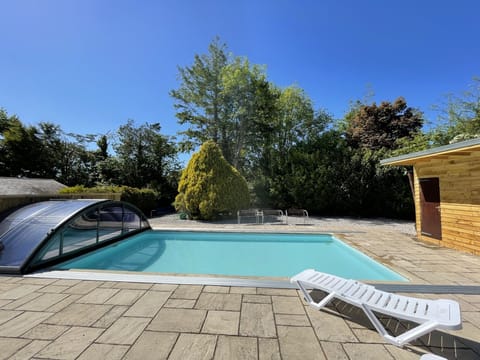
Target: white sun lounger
column 430, row 314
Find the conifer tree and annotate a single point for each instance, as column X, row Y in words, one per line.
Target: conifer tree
column 210, row 186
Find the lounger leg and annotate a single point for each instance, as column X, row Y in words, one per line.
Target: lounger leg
column 310, row 301
column 415, row 333
column 376, row 323
column 404, row 338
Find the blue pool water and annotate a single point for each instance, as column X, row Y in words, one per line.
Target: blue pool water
column 237, row 254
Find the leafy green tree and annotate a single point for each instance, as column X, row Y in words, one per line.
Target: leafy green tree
column 109, row 171
column 372, row 133
column 19, row 145
column 210, row 186
column 225, row 99
column 459, row 116
column 243, row 84
column 144, row 158
column 199, row 101
column 4, row 120
column 303, row 177
column 52, row 154
column 458, row 119
column 43, row 151
column 102, row 152
column 294, row 124
column 375, row 127
column 76, row 165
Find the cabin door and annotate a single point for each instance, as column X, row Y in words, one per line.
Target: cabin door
column 430, row 208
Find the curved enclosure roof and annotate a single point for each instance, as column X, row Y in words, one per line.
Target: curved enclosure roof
column 48, row 232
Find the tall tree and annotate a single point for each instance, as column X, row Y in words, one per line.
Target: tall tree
column 19, row 148
column 223, row 98
column 375, row 127
column 294, row 124
column 51, row 151
column 102, row 143
column 460, row 115
column 458, row 119
column 296, row 120
column 198, row 100
column 4, row 120
column 76, row 165
column 145, row 156
column 243, row 84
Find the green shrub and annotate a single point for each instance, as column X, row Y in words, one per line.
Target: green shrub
column 145, row 199
column 210, row 186
column 77, row 189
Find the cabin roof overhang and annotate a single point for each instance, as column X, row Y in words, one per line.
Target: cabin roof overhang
column 463, row 148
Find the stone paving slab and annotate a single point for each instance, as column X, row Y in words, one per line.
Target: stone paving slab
column 194, row 346
column 11, row 346
column 149, row 304
column 152, row 345
column 299, row 342
column 257, row 320
column 236, row 348
column 178, row 320
column 78, row 314
column 78, row 319
column 268, row 349
column 104, row 352
column 110, row 316
column 218, row 301
column 29, row 350
column 124, row 331
column 23, row 323
column 222, row 322
column 71, row 344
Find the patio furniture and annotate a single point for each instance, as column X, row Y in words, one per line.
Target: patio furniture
column 299, row 214
column 273, row 216
column 250, row 214
column 429, row 314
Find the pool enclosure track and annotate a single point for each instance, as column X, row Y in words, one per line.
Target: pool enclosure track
column 242, row 282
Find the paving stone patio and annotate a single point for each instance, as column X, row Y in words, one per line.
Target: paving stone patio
column 44, row 318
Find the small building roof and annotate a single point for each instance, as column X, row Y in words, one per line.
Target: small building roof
column 459, row 148
column 26, row 186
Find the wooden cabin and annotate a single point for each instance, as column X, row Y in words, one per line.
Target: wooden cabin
column 446, row 187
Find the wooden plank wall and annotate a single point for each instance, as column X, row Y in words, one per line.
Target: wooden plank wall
column 460, row 199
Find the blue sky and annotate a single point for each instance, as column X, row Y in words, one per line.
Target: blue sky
column 90, row 65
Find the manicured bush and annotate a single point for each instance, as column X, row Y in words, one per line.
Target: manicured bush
column 210, row 186
column 103, row 189
column 145, row 199
column 77, row 189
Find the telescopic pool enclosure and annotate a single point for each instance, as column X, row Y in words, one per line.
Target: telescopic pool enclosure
column 45, row 233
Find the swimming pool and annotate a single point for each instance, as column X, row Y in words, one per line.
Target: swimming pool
column 233, row 254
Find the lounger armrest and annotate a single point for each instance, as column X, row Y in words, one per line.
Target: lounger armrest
column 450, row 315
